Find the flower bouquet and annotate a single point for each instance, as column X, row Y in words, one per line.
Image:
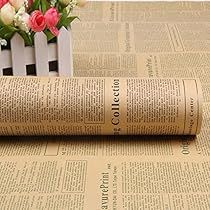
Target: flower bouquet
column 26, row 17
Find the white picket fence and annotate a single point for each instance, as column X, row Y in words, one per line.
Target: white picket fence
column 19, row 56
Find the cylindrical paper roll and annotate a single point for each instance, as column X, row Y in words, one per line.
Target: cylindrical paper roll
column 107, row 106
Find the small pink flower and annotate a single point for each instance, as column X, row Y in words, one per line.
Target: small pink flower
column 52, row 18
column 3, row 2
column 37, row 21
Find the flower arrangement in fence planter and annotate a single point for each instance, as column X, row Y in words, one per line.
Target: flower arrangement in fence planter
column 29, row 24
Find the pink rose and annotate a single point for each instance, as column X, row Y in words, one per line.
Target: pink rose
column 3, row 2
column 37, row 21
column 52, row 18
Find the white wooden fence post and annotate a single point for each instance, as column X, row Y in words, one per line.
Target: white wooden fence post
column 41, row 54
column 65, row 64
column 1, row 63
column 18, row 57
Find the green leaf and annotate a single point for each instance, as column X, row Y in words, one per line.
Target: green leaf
column 8, row 36
column 65, row 21
column 63, row 16
column 44, row 5
column 7, row 28
column 1, row 23
column 6, row 32
column 35, row 6
column 27, row 38
column 49, row 35
column 70, row 19
column 61, row 7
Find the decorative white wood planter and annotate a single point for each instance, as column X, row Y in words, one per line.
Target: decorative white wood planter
column 41, row 54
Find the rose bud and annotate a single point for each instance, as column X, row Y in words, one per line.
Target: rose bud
column 37, row 21
column 3, row 2
column 7, row 14
column 16, row 4
column 52, row 18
